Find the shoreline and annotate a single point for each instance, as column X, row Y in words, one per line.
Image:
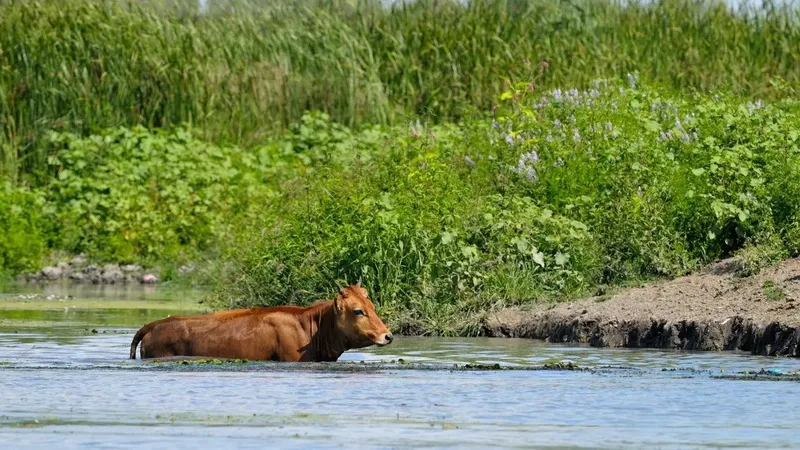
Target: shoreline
column 712, row 310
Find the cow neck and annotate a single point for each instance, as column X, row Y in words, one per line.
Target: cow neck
column 327, row 342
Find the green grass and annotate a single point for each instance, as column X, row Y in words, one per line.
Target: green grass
column 773, row 292
column 248, row 69
column 23, row 241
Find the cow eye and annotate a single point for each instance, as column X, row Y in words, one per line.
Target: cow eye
column 358, row 312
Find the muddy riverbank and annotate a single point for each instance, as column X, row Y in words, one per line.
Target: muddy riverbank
column 712, row 310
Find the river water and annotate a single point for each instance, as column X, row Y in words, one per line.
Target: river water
column 66, row 382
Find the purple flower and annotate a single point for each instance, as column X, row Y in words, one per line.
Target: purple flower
column 531, row 175
column 529, row 172
column 525, row 166
column 415, row 128
column 754, row 106
column 632, row 79
column 665, row 136
column 531, row 156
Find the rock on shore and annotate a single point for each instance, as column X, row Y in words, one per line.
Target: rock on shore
column 79, row 271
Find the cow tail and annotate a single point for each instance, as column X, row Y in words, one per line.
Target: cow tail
column 138, row 338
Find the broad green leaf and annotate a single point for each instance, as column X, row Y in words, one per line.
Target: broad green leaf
column 447, row 237
column 538, row 257
column 652, row 125
column 561, row 258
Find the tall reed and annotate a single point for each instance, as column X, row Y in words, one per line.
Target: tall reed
column 245, row 69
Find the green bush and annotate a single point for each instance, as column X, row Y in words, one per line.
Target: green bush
column 132, row 194
column 708, row 174
column 22, row 230
column 421, row 235
column 554, row 193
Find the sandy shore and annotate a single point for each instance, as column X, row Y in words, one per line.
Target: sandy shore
column 711, row 310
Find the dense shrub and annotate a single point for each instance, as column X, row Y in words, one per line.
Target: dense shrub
column 556, row 192
column 22, row 230
column 132, row 194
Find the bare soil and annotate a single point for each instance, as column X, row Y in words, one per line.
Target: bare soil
column 713, row 309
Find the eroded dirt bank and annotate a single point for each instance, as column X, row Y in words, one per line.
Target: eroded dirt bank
column 710, row 310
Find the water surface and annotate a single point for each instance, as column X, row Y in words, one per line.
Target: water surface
column 65, row 381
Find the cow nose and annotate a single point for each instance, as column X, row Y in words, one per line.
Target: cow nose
column 388, row 337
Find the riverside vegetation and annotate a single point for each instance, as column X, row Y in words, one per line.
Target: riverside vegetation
column 526, row 179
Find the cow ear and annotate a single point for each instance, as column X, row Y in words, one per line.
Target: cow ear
column 338, row 302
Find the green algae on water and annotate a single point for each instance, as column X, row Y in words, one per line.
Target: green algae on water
column 198, row 361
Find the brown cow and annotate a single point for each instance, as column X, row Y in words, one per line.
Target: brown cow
column 320, row 332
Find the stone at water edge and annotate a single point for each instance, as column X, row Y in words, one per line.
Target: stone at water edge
column 66, row 269
column 77, row 276
column 131, row 268
column 78, row 261
column 112, row 274
column 186, row 268
column 110, row 267
column 51, row 273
